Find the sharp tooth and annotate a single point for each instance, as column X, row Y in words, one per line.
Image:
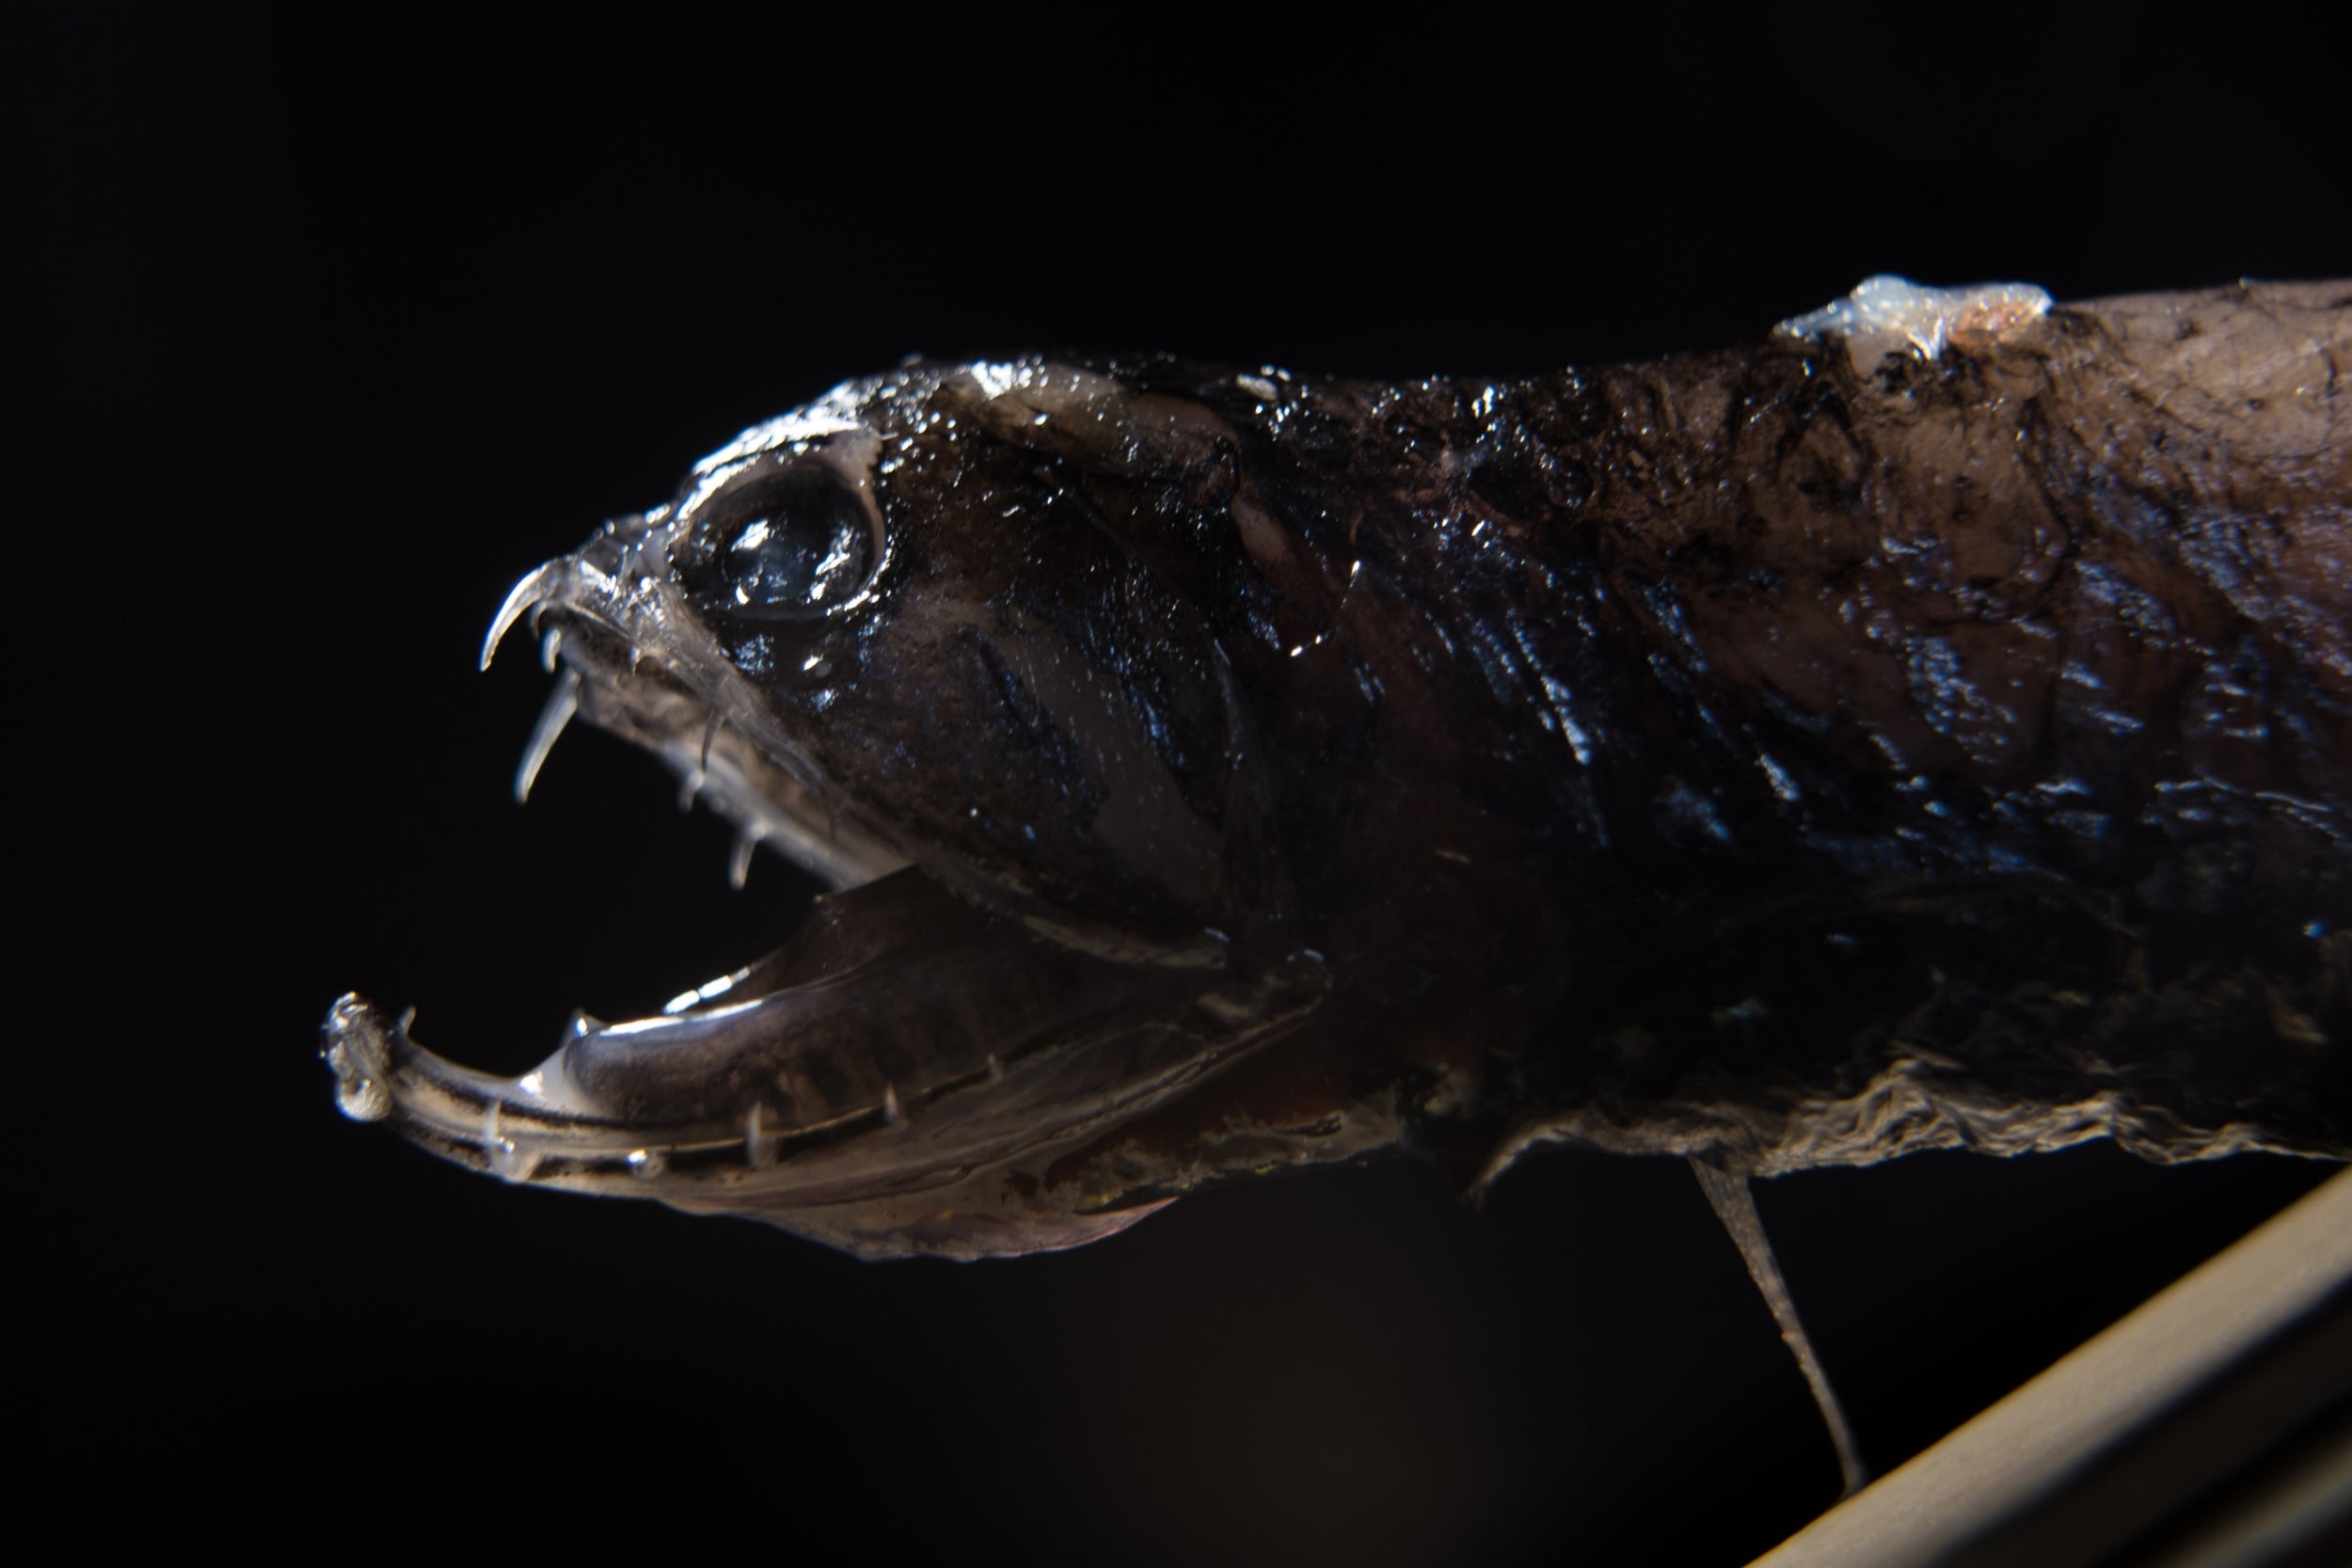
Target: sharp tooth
column 689, row 787
column 893, row 1112
column 551, row 647
column 562, row 704
column 512, row 1161
column 759, row 1145
column 739, row 859
column 539, row 585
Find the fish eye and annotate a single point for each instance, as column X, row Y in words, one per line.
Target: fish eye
column 789, row 546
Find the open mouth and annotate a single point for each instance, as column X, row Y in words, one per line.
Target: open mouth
column 899, row 1078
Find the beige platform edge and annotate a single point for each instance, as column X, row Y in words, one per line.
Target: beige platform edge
column 2012, row 1452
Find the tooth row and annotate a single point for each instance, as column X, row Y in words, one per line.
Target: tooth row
column 563, row 704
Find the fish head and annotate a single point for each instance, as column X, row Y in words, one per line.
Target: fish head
column 940, row 639
column 926, row 601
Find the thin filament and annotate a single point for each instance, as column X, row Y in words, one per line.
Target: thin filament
column 1735, row 1207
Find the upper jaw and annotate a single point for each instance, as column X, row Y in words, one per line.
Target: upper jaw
column 636, row 661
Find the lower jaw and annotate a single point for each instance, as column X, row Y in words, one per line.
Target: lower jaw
column 897, row 1078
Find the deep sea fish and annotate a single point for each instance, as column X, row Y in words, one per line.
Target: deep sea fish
column 1928, row 727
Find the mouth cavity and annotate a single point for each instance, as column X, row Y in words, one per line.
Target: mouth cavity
column 897, row 1078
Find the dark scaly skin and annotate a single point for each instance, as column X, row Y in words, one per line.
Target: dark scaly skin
column 2050, row 640
column 1761, row 756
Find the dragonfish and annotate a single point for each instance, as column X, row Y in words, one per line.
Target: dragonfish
column 1927, row 726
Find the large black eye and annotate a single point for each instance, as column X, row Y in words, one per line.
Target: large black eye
column 791, row 545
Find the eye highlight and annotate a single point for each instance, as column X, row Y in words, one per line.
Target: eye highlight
column 790, row 546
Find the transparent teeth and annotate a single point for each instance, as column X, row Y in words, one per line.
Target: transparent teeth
column 759, row 1145
column 562, row 704
column 527, row 594
column 740, row 858
column 509, row 1159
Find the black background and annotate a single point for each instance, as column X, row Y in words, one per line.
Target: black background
column 340, row 326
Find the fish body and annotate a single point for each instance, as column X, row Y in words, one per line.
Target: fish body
column 1931, row 728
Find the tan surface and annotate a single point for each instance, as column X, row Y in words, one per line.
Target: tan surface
column 2014, row 1451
